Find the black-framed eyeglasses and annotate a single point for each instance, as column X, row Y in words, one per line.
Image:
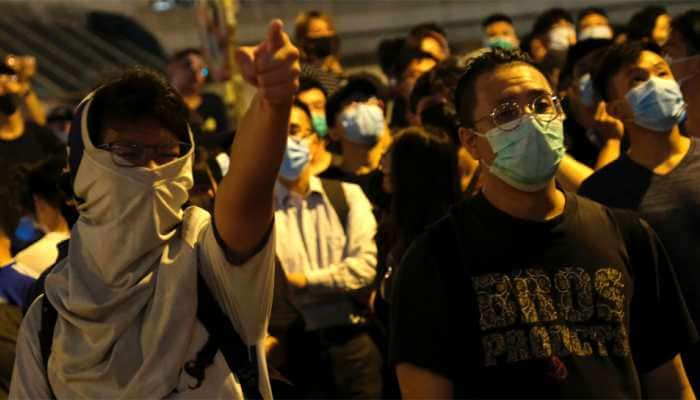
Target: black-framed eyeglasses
column 507, row 116
column 126, row 154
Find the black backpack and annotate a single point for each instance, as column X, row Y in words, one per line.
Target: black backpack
column 241, row 358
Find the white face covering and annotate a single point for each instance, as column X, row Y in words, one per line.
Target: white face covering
column 121, row 332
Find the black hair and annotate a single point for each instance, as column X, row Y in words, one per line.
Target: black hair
column 10, row 202
column 421, row 89
column 136, row 94
column 425, row 180
column 407, row 55
column 642, row 23
column 615, row 58
column 387, row 53
column 465, row 94
column 575, row 54
column 591, row 11
column 184, row 53
column 42, row 179
column 426, row 29
column 308, row 83
column 548, row 19
column 300, row 104
column 359, row 87
column 493, row 18
column 688, row 25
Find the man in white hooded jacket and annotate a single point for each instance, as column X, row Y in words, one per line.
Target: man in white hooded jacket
column 126, row 295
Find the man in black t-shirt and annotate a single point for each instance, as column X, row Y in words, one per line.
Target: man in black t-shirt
column 526, row 291
column 188, row 73
column 659, row 177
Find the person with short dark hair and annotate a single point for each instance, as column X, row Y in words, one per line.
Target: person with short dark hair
column 526, row 291
column 408, row 65
column 499, row 31
column 46, row 201
column 188, row 72
column 325, row 245
column 659, row 176
column 126, row 301
column 555, row 30
column 430, row 38
column 651, row 24
column 355, row 115
column 683, row 52
column 314, row 96
column 593, row 23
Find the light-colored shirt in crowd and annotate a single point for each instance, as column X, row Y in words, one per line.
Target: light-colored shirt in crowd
column 41, row 254
column 336, row 262
column 244, row 293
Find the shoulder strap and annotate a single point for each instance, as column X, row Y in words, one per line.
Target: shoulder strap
column 242, row 360
column 48, row 323
column 336, row 194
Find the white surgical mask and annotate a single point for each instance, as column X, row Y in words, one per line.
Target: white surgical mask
column 596, row 32
column 559, row 37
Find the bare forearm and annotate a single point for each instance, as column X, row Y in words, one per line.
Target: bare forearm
column 608, row 153
column 572, row 173
column 244, row 208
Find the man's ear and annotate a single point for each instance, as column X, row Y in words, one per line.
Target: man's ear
column 468, row 140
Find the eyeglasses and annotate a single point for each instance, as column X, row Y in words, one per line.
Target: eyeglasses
column 507, row 116
column 125, row 154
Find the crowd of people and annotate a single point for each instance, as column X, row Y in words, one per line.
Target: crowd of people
column 515, row 221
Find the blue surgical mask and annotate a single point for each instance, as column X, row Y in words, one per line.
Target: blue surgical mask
column 296, row 157
column 503, row 42
column 528, row 156
column 363, row 123
column 588, row 94
column 318, row 121
column 657, row 104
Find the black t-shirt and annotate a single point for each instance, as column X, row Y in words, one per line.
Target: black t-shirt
column 671, row 205
column 210, row 124
column 575, row 306
column 35, row 144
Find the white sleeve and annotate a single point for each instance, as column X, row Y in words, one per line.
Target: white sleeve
column 358, row 268
column 29, row 379
column 243, row 291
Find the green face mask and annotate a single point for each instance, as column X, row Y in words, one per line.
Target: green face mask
column 320, row 125
column 528, row 156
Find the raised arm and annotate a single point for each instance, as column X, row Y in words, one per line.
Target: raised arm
column 243, row 209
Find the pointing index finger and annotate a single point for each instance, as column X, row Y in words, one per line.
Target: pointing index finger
column 276, row 38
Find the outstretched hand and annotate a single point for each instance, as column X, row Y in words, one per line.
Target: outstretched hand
column 272, row 66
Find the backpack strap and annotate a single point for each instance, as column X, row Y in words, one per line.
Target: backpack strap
column 336, row 195
column 48, row 323
column 242, row 359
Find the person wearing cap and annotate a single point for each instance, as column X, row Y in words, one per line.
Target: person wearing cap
column 355, row 115
column 325, row 233
column 125, row 299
